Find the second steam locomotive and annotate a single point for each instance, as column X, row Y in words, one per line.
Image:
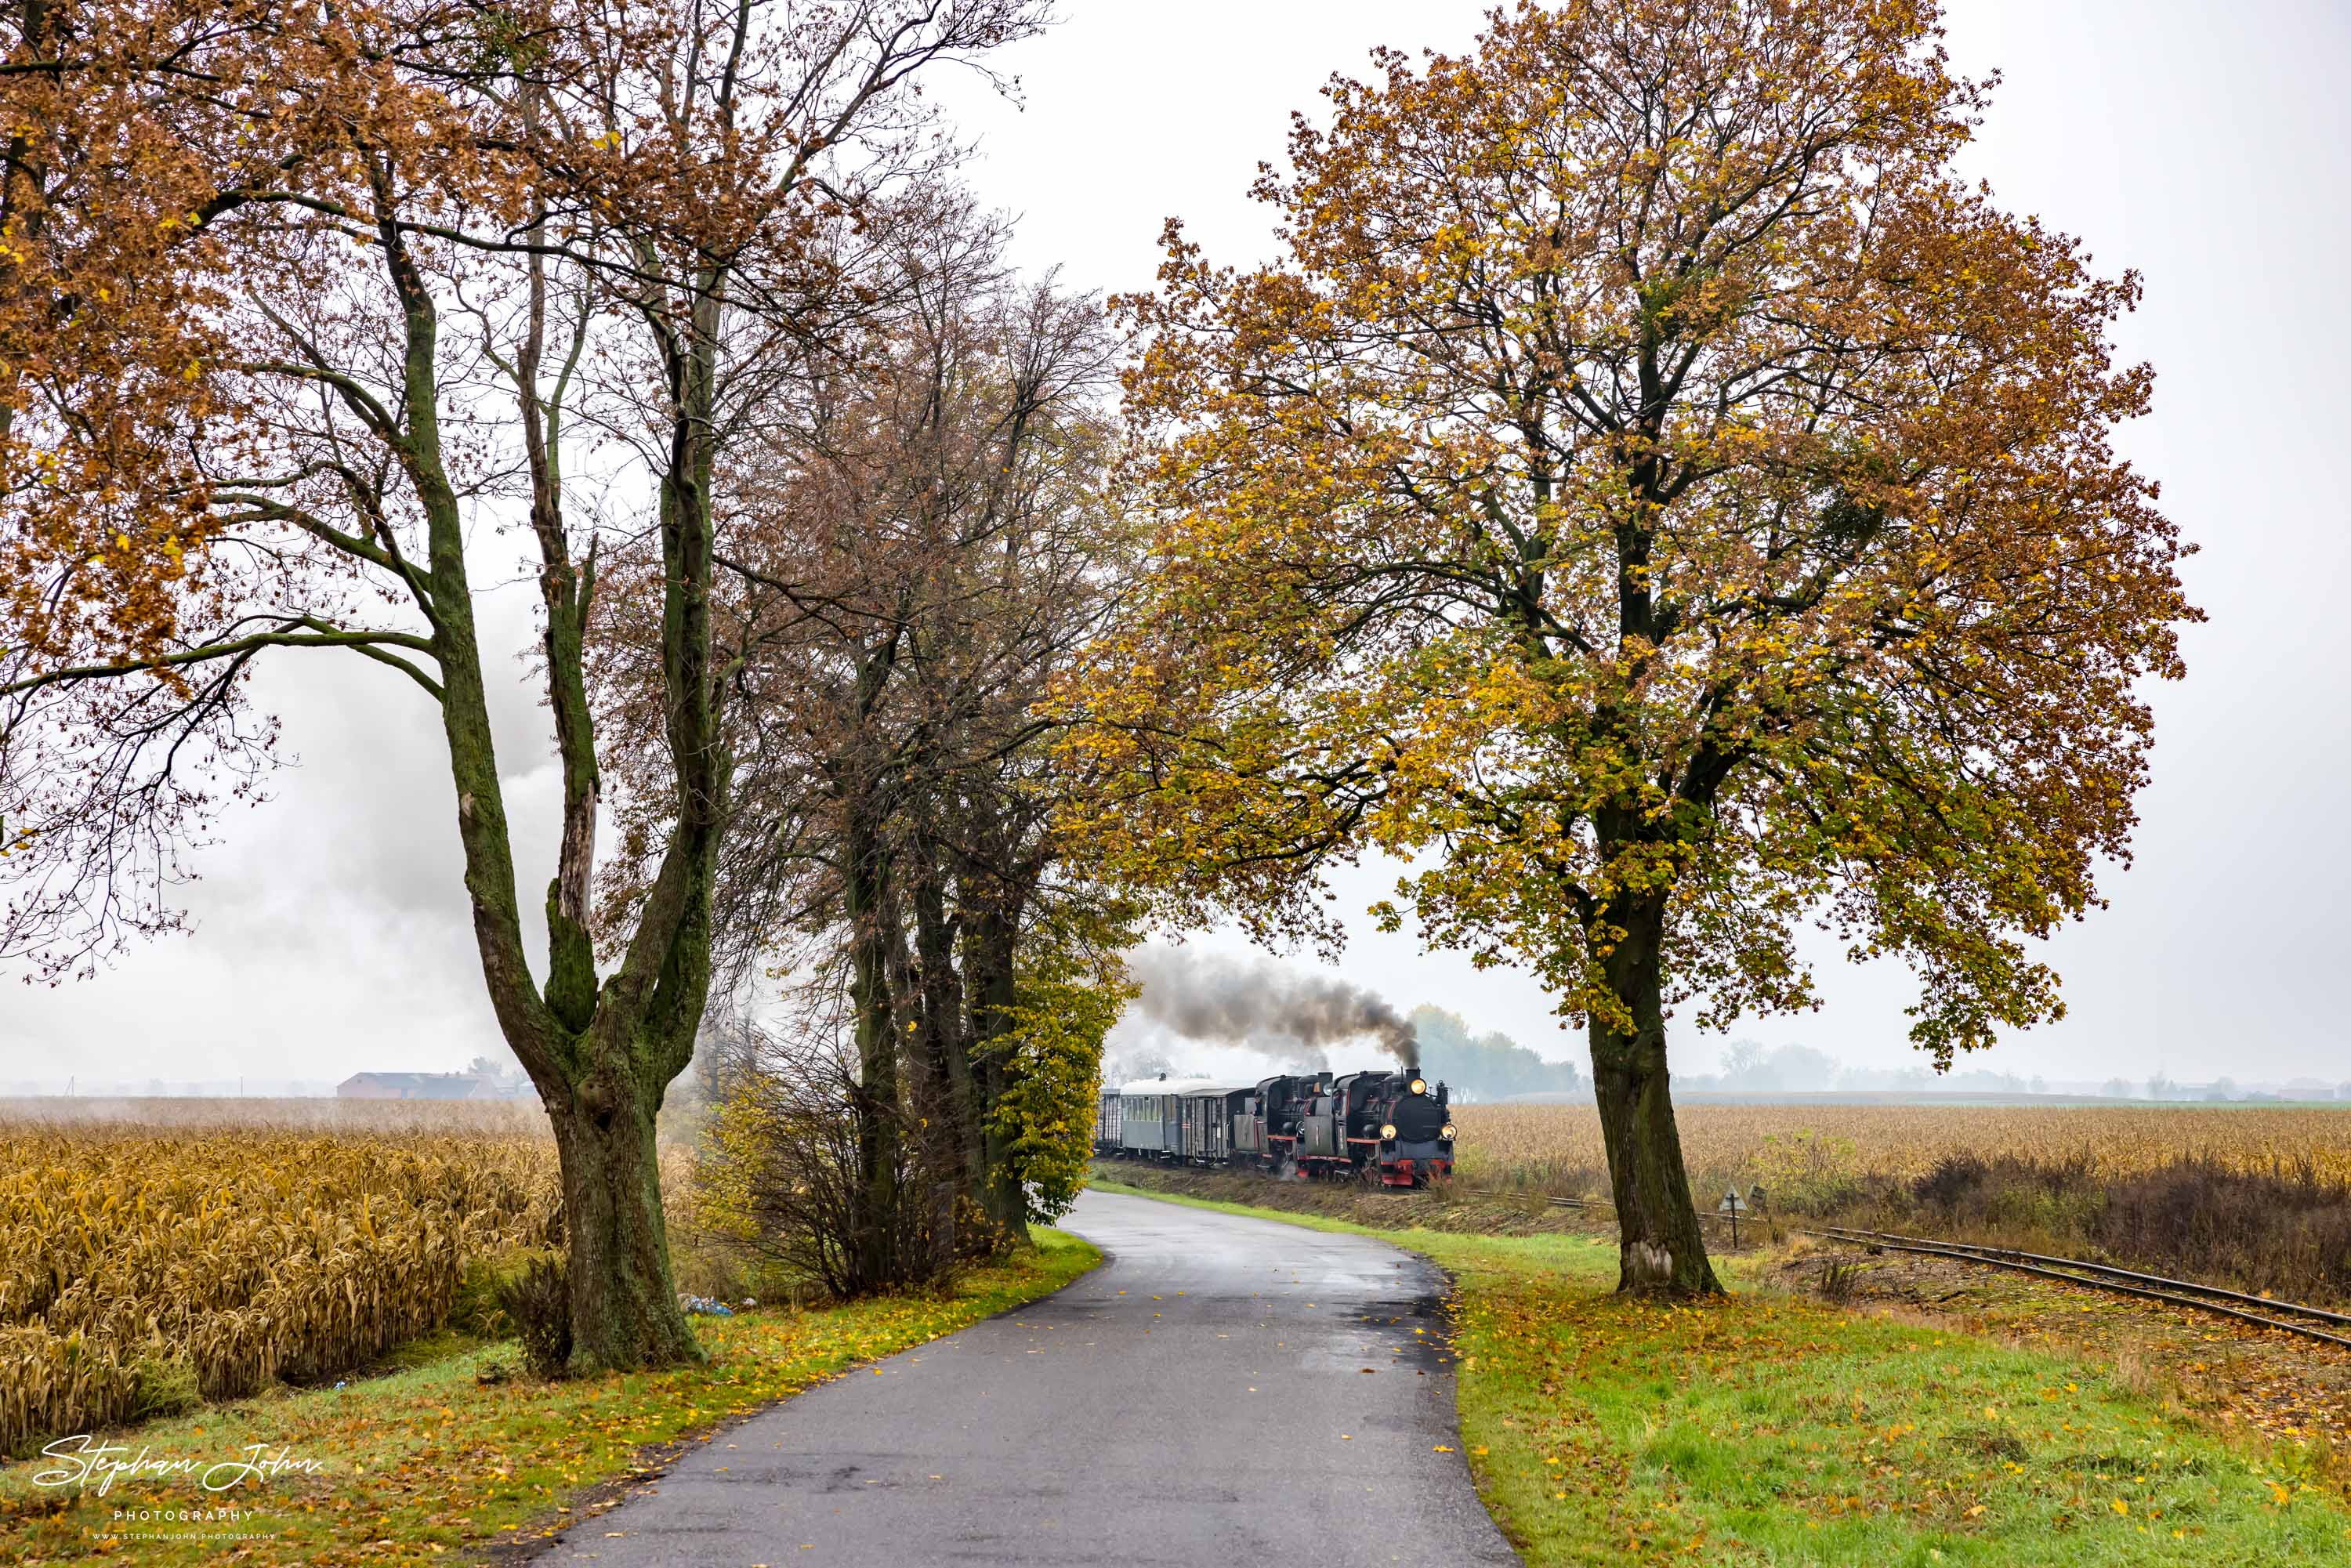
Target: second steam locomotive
column 1391, row 1129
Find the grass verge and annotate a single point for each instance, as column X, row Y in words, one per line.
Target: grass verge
column 1772, row 1429
column 430, row 1461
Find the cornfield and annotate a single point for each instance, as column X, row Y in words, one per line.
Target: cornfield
column 318, row 1114
column 236, row 1255
column 1556, row 1148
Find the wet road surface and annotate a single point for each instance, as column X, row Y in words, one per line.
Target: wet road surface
column 1221, row 1391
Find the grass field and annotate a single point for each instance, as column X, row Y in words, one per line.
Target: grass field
column 1777, row 1429
column 433, row 1460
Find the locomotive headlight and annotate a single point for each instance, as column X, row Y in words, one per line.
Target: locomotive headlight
column 1420, row 1085
column 1447, row 1132
column 1387, row 1129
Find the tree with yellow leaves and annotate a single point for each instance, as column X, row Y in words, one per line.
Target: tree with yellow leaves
column 1654, row 493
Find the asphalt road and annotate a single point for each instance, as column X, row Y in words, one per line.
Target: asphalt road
column 1222, row 1390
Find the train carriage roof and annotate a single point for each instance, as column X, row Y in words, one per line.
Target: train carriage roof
column 1179, row 1086
column 1161, row 1086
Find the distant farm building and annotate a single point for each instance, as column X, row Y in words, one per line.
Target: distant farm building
column 424, row 1086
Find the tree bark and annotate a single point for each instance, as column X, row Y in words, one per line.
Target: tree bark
column 994, row 935
column 624, row 1312
column 1660, row 1248
column 946, row 1047
column 870, row 938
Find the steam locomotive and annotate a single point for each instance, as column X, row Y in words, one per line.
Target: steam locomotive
column 1389, row 1129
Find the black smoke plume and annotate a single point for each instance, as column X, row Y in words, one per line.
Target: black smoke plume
column 1276, row 1008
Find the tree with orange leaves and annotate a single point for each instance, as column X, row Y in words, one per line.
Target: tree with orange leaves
column 121, row 157
column 1654, row 492
column 116, row 159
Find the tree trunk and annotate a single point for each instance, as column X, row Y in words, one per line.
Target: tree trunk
column 870, row 938
column 994, row 989
column 624, row 1311
column 1660, row 1248
column 1001, row 1193
column 945, row 1048
column 601, row 1089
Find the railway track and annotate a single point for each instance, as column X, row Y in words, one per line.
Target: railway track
column 2071, row 1270
column 2105, row 1277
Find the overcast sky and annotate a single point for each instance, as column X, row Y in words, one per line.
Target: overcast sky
column 2202, row 143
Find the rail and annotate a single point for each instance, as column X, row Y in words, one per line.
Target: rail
column 2096, row 1276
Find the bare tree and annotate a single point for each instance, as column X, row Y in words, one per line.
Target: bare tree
column 923, row 546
